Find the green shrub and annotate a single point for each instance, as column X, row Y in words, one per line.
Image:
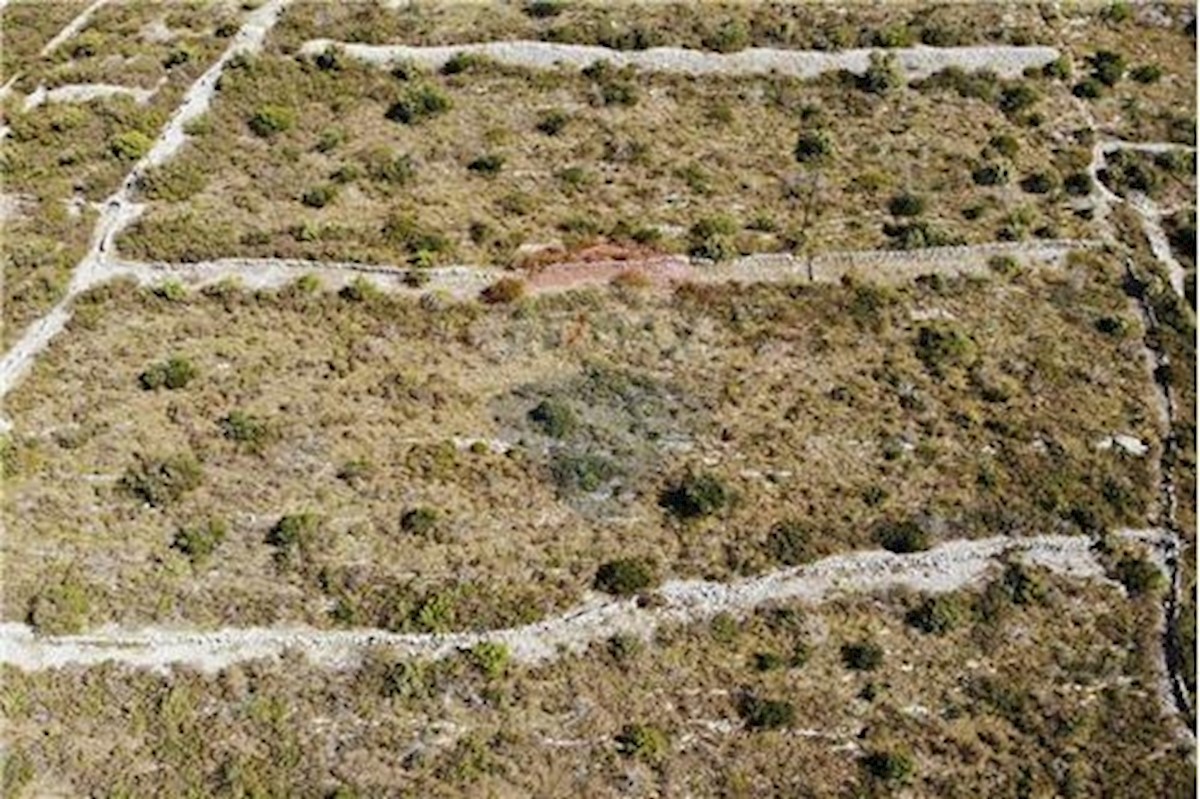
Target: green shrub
column 403, row 231
column 862, row 656
column 625, row 577
column 582, row 473
column 916, row 235
column 1088, row 89
column 696, row 496
column 941, row 347
column 360, row 289
column 131, row 145
column 162, row 481
column 173, row 374
column 420, row 521
column 320, row 196
column 907, row 204
column 882, row 74
column 889, row 767
column 171, row 290
column 178, row 56
column 1147, row 73
column 981, row 84
column 489, row 657
column 990, row 175
column 330, row 139
column 243, row 428
column 174, row 181
column 199, row 542
column 790, row 543
column 1059, row 68
column 1039, row 183
column 642, row 741
column 1078, row 184
column 711, row 237
column 767, row 714
column 489, row 164
column 1005, row 144
column 902, row 537
column 555, row 418
column 813, row 146
column 553, row 122
column 462, row 62
column 1139, row 576
column 897, row 35
column 329, row 60
column 295, row 538
column 504, row 291
column 937, row 615
column 61, row 608
column 270, row 120
column 1108, row 67
column 418, row 104
column 1017, row 98
column 544, row 9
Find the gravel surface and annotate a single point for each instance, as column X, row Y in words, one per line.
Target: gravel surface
column 83, row 92
column 914, row 62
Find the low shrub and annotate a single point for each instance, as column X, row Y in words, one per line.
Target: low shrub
column 270, row 120
column 1108, row 67
column 813, row 146
column 882, row 75
column 1017, row 98
column 61, row 608
column 642, row 741
column 1088, row 89
column 767, row 714
column 504, row 291
column 625, row 577
column 937, row 615
column 418, row 104
column 1039, row 183
column 790, row 543
column 889, row 766
column 420, row 521
column 582, row 473
column 553, row 122
column 711, row 237
column 862, row 656
column 489, row 657
column 489, row 164
column 906, row 204
column 295, row 538
column 942, row 347
column 1146, row 73
column 554, row 418
column 462, row 62
column 172, row 374
column 1078, row 184
column 696, row 496
column 902, row 537
column 162, row 481
column 246, row 429
column 319, row 196
column 130, row 145
column 200, row 541
column 990, row 175
column 1139, row 576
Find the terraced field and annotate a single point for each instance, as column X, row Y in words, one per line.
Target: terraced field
column 560, row 400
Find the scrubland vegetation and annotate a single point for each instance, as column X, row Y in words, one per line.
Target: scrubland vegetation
column 671, row 430
column 359, row 164
column 766, row 705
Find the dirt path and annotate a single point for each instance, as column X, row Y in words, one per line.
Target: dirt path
column 950, row 566
column 914, row 62
column 465, row 282
column 84, row 92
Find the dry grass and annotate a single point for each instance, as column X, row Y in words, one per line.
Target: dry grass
column 688, row 150
column 1054, row 695
column 807, row 404
column 722, row 26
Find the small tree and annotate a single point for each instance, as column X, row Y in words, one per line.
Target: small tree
column 936, row 615
column 131, row 145
column 173, row 374
column 882, row 74
column 162, row 481
column 199, row 542
column 270, row 120
column 888, row 766
column 419, row 521
column 813, row 146
column 902, row 537
column 907, row 204
column 790, row 543
column 555, row 418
